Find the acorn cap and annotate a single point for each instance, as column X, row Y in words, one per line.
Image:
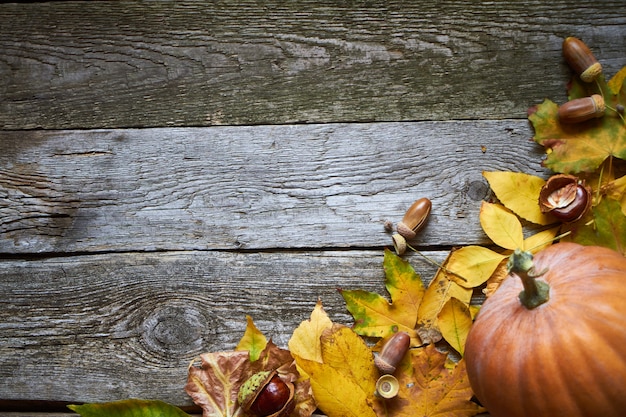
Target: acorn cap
column 399, row 243
column 387, row 386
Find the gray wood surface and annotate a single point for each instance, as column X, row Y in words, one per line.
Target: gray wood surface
column 135, row 64
column 305, row 186
column 167, row 168
column 114, row 326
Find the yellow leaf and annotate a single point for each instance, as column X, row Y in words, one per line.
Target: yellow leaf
column 540, row 240
column 474, row 263
column 344, row 384
column 519, row 192
column 502, row 226
column 455, row 322
column 616, row 83
column 440, row 290
column 305, row 340
column 253, row 340
column 429, row 387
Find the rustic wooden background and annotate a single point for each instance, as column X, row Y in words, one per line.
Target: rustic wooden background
column 168, row 168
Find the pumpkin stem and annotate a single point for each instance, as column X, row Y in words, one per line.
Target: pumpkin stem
column 535, row 292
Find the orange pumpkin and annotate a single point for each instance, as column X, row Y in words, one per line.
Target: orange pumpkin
column 566, row 356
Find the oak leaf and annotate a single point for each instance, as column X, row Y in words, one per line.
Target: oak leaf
column 374, row 315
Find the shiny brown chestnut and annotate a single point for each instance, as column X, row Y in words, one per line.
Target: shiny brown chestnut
column 582, row 109
column 565, row 197
column 392, row 352
column 414, row 218
column 265, row 394
column 581, row 59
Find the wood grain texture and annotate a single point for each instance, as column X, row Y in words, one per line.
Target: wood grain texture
column 132, row 64
column 105, row 327
column 263, row 187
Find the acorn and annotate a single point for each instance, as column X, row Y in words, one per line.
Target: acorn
column 580, row 59
column 265, row 394
column 387, row 386
column 392, row 352
column 414, row 218
column 582, row 109
column 565, row 197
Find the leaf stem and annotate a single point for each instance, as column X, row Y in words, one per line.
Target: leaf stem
column 435, row 263
column 535, row 292
column 606, row 105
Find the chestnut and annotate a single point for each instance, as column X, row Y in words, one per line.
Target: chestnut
column 565, row 197
column 265, row 394
column 414, row 218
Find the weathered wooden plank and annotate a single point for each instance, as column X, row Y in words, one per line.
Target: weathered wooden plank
column 301, row 186
column 130, row 64
column 105, row 327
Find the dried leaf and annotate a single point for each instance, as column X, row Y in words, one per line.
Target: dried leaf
column 128, row 408
column 502, row 226
column 519, row 193
column 474, row 263
column 253, row 340
column 345, row 381
column 215, row 383
column 305, row 340
column 375, row 316
column 455, row 322
column 428, row 388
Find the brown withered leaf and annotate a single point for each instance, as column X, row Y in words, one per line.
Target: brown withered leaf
column 429, row 388
column 214, row 384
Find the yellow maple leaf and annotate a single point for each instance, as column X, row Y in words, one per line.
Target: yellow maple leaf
column 374, row 315
column 305, row 340
column 502, row 226
column 429, row 388
column 519, row 192
column 344, row 382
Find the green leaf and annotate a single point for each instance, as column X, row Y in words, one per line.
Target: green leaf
column 582, row 147
column 129, row 408
column 608, row 228
column 252, row 341
column 375, row 316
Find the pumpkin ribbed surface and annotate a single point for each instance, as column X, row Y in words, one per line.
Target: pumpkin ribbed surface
column 566, row 357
